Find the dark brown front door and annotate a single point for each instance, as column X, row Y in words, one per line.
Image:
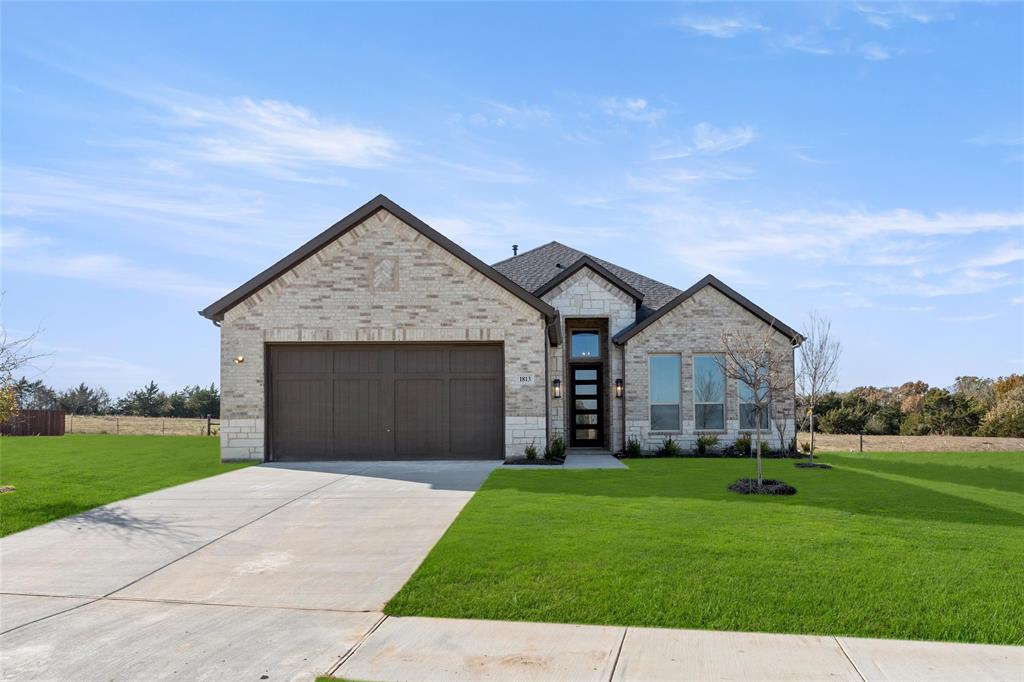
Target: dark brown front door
column 376, row 401
column 587, row 405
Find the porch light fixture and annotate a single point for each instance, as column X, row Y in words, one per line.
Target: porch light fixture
column 619, row 390
column 556, row 388
column 239, row 359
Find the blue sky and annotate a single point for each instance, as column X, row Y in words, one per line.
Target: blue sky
column 865, row 160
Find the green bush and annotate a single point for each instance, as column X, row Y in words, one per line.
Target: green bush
column 705, row 441
column 555, row 449
column 950, row 414
column 670, row 448
column 765, row 448
column 914, row 424
column 531, row 451
column 805, row 447
column 742, row 444
column 846, row 419
column 633, row 448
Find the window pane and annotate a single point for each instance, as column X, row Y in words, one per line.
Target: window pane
column 586, row 404
column 585, row 374
column 586, row 434
column 664, row 417
column 747, row 417
column 585, row 345
column 586, row 419
column 709, row 417
column 664, row 376
column 586, row 389
column 708, row 380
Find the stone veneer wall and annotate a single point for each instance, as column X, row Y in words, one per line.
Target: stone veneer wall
column 380, row 281
column 694, row 326
column 589, row 295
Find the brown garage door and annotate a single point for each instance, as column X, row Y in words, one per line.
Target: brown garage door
column 374, row 401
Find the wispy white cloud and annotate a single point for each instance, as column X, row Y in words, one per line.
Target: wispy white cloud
column 890, row 15
column 117, row 272
column 632, row 109
column 501, row 115
column 705, row 139
column 672, row 179
column 712, row 140
column 998, row 139
column 717, row 27
column 879, row 243
column 968, row 318
column 1004, row 255
column 249, row 132
column 875, row 52
column 806, row 44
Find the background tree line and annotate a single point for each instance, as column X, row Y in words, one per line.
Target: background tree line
column 972, row 406
column 148, row 401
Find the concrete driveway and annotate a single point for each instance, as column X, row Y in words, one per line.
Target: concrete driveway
column 275, row 571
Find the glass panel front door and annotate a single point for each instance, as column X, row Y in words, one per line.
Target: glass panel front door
column 587, row 400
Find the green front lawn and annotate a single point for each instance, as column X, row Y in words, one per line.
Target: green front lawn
column 59, row 476
column 898, row 545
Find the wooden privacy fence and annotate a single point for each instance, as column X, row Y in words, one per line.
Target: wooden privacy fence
column 143, row 426
column 35, row 423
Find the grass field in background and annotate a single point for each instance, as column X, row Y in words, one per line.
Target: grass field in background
column 897, row 545
column 56, row 476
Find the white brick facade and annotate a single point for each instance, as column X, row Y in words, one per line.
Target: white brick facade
column 335, row 296
column 695, row 326
column 587, row 294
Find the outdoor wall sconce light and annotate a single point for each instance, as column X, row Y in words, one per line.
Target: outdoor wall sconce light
column 239, row 359
column 556, row 388
column 619, row 390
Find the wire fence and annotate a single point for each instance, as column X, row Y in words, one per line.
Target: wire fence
column 142, row 426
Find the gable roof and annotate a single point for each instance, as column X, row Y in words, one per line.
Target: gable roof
column 533, row 269
column 588, row 262
column 215, row 311
column 717, row 284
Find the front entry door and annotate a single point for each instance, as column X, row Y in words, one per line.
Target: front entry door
column 587, row 406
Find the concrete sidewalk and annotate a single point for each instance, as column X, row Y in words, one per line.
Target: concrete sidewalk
column 428, row 649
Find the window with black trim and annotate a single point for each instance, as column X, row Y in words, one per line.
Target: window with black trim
column 708, row 393
column 663, row 373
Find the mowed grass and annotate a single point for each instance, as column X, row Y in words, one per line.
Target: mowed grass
column 897, row 545
column 59, row 476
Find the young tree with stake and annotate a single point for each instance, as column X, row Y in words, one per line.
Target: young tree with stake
column 819, row 363
column 761, row 361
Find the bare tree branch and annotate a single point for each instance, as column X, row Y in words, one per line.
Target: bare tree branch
column 819, row 363
column 761, row 361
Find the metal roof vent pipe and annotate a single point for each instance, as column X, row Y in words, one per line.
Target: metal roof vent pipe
column 515, row 249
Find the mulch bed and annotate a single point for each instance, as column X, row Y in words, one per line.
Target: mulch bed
column 813, row 465
column 769, row 486
column 540, row 461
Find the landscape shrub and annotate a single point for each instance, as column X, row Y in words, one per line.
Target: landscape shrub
column 555, row 448
column 670, row 448
column 531, row 451
column 742, row 444
column 633, row 448
column 769, row 486
column 706, row 441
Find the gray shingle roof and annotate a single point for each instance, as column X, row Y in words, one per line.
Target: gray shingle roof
column 534, row 268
